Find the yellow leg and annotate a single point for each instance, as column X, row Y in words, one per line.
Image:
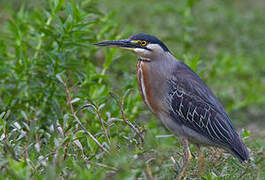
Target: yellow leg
column 200, row 161
column 186, row 158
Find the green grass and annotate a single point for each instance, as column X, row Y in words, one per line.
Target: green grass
column 69, row 110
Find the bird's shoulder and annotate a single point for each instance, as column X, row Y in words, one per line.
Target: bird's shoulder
column 185, row 80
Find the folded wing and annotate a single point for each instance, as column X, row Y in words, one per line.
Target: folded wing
column 193, row 105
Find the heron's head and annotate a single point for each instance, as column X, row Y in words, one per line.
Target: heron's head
column 145, row 46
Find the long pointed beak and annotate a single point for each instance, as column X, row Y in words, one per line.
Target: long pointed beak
column 124, row 43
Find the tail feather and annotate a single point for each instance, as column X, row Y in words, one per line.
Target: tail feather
column 239, row 149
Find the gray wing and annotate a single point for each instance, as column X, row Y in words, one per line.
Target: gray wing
column 194, row 105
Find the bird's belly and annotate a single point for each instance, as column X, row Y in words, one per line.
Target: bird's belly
column 180, row 130
column 175, row 128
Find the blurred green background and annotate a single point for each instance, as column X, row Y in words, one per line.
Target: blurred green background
column 49, row 70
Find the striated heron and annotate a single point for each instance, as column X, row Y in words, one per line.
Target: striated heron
column 177, row 96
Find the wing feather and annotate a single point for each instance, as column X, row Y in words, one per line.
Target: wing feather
column 194, row 105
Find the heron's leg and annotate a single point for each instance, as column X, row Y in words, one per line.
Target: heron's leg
column 187, row 157
column 200, row 160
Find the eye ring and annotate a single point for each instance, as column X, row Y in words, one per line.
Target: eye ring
column 143, row 43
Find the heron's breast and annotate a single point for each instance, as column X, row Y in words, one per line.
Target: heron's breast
column 145, row 86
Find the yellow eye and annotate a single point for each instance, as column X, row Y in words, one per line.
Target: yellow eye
column 143, row 43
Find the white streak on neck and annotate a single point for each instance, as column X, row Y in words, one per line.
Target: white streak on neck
column 143, row 87
column 144, row 59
